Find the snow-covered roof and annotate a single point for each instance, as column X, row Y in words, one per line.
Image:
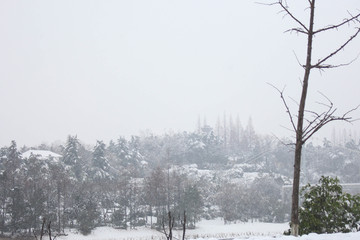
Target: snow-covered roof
column 41, row 154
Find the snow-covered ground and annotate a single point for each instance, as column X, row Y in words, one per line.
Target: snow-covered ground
column 210, row 230
column 217, row 229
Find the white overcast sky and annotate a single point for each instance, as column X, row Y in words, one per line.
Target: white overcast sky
column 104, row 69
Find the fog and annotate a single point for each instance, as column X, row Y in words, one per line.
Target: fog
column 103, row 69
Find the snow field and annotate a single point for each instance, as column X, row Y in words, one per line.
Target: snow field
column 210, row 230
column 217, row 229
column 206, row 229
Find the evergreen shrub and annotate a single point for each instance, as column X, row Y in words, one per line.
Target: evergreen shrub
column 326, row 209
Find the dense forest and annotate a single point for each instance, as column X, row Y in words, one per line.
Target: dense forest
column 224, row 171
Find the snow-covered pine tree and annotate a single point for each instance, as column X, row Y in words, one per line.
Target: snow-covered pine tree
column 100, row 167
column 71, row 157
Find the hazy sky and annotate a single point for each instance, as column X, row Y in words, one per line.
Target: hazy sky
column 104, row 69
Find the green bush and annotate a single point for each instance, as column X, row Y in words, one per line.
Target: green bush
column 326, row 209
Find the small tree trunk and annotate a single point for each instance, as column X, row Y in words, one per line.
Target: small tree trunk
column 184, row 225
column 151, row 217
column 59, row 207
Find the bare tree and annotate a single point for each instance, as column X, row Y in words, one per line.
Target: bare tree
column 49, row 231
column 42, row 231
column 170, row 226
column 306, row 123
column 171, row 222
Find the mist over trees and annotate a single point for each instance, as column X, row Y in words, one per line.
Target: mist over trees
column 226, row 171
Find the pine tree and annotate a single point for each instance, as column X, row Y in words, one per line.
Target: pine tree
column 13, row 165
column 122, row 152
column 100, row 167
column 71, row 157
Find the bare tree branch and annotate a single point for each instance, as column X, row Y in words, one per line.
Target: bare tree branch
column 296, row 102
column 297, row 59
column 328, row 99
column 328, row 66
column 298, row 30
column 281, row 92
column 350, row 111
column 303, row 28
column 353, row 18
column 286, row 9
column 319, row 64
column 291, row 144
column 287, row 128
column 323, row 119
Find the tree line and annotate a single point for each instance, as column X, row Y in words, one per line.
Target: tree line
column 135, row 182
column 75, row 192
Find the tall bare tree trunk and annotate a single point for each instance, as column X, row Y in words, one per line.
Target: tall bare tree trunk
column 299, row 130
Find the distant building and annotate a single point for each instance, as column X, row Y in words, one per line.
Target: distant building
column 352, row 188
column 42, row 154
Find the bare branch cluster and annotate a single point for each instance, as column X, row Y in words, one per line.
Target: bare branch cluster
column 321, row 64
column 318, row 120
column 321, row 119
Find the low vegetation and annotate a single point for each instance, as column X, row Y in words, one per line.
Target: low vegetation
column 326, row 209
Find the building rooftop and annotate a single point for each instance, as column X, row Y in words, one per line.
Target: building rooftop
column 41, row 154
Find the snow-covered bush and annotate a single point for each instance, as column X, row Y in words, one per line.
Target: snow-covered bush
column 326, row 209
